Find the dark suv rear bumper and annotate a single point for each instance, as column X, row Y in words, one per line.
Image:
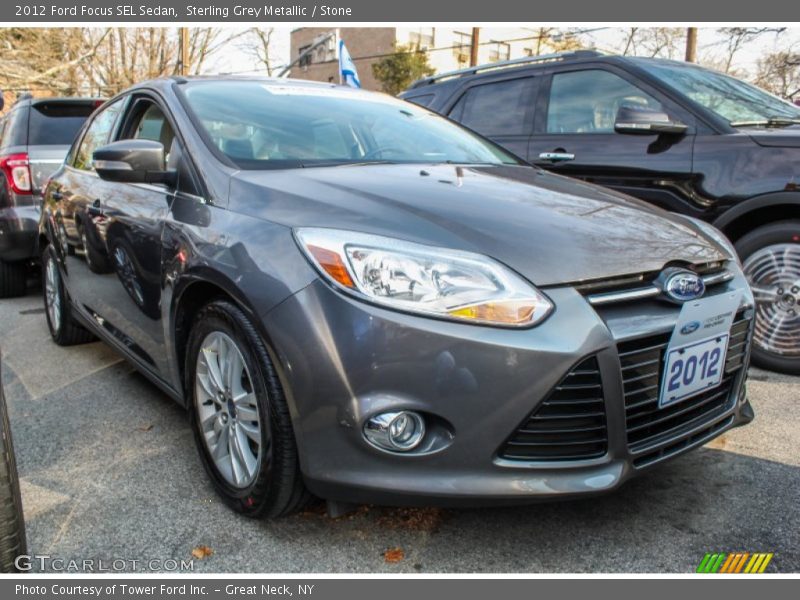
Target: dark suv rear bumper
column 19, row 228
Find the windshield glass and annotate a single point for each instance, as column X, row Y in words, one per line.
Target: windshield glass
column 736, row 101
column 268, row 125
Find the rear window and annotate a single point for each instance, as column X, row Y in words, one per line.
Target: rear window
column 56, row 123
column 424, row 100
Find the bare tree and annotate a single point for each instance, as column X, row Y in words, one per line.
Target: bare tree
column 779, row 73
column 258, row 43
column 664, row 42
column 735, row 38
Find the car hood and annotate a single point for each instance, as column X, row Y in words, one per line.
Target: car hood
column 786, row 137
column 551, row 229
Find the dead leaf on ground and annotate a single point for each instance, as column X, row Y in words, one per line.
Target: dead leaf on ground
column 202, row 552
column 146, row 427
column 394, row 555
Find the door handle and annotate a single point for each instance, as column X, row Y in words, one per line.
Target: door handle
column 557, row 156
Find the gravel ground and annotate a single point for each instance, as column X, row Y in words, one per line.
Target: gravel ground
column 109, row 471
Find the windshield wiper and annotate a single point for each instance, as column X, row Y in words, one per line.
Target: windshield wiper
column 768, row 122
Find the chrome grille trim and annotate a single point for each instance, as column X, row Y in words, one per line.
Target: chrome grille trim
column 651, row 291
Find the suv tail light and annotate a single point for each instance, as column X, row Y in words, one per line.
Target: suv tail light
column 17, row 170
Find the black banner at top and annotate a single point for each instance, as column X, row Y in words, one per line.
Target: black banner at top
column 373, row 11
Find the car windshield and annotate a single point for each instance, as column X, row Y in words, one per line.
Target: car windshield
column 740, row 103
column 268, row 125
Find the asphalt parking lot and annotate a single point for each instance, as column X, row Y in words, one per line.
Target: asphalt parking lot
column 109, row 471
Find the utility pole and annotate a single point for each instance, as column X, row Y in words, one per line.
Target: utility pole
column 183, row 38
column 473, row 50
column 691, row 44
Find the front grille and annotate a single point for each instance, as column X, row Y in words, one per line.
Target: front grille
column 650, row 428
column 569, row 425
column 638, row 280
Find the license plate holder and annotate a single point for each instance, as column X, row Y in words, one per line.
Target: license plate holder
column 693, row 368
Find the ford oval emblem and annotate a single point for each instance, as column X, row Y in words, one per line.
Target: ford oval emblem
column 690, row 327
column 683, row 286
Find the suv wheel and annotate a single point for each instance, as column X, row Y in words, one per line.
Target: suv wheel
column 13, row 279
column 64, row 329
column 771, row 261
column 239, row 415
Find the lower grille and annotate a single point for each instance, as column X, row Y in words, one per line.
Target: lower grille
column 650, row 427
column 569, row 425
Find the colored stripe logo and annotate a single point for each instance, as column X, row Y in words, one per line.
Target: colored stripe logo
column 735, row 562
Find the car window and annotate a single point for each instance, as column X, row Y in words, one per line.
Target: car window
column 259, row 125
column 57, row 123
column 96, row 135
column 154, row 126
column 16, row 127
column 499, row 108
column 588, row 101
column 423, row 100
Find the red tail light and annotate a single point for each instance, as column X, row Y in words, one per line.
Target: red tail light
column 17, row 171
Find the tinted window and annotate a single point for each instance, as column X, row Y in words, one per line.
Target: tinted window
column 736, row 101
column 96, row 135
column 588, row 101
column 424, row 100
column 16, row 127
column 500, row 108
column 260, row 125
column 56, row 123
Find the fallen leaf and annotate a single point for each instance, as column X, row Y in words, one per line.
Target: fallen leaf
column 147, row 427
column 202, row 552
column 394, row 555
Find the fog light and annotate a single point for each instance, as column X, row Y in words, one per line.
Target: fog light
column 396, row 431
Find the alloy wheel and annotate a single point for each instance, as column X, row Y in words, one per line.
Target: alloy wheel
column 227, row 410
column 774, row 276
column 52, row 295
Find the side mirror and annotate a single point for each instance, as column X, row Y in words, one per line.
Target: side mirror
column 640, row 120
column 132, row 161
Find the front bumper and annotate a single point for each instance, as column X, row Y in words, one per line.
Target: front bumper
column 342, row 361
column 19, row 233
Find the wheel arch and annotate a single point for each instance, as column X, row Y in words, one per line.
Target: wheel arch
column 750, row 214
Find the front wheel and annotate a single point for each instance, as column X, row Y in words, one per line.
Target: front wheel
column 771, row 262
column 239, row 415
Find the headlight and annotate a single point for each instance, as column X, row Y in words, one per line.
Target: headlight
column 449, row 284
column 716, row 235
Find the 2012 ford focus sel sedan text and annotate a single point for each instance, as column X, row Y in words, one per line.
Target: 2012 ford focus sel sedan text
column 358, row 299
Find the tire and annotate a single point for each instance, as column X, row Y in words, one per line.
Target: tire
column 771, row 261
column 64, row 329
column 273, row 486
column 12, row 521
column 13, row 279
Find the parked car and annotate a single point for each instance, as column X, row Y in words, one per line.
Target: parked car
column 12, row 521
column 358, row 298
column 34, row 138
column 679, row 136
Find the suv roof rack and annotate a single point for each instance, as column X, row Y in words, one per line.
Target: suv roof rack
column 526, row 60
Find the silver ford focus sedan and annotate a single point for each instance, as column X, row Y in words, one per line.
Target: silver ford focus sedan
column 358, row 299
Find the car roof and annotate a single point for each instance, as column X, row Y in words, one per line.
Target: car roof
column 532, row 63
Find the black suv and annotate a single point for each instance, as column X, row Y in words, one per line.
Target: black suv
column 35, row 136
column 679, row 136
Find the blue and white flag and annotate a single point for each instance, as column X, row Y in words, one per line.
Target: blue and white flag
column 347, row 68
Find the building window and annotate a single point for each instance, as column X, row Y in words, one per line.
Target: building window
column 306, row 60
column 499, row 51
column 422, row 38
column 462, row 47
